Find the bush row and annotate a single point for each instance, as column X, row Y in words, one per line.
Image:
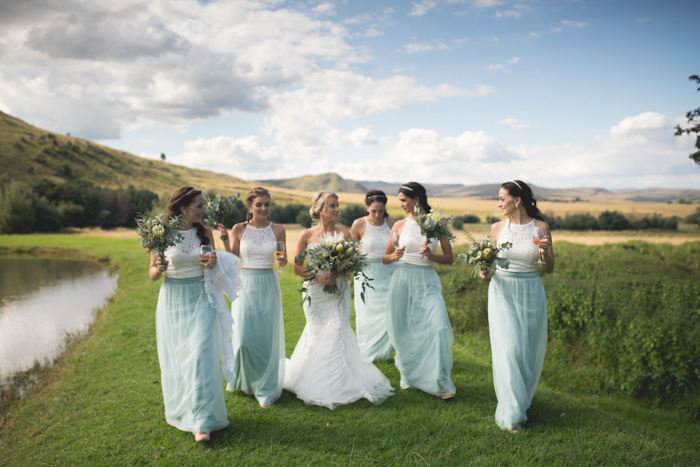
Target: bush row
column 612, row 220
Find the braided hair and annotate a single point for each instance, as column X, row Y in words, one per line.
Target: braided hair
column 415, row 189
column 521, row 189
column 181, row 198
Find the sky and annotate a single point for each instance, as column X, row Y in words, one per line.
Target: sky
column 559, row 93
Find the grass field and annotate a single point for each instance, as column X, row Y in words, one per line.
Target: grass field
column 101, row 404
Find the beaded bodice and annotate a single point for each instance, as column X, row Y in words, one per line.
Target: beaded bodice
column 523, row 254
column 374, row 240
column 183, row 257
column 258, row 247
column 412, row 239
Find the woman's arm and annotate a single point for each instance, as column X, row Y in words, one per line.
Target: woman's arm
column 445, row 258
column 157, row 267
column 237, row 234
column 357, row 230
column 223, row 236
column 546, row 248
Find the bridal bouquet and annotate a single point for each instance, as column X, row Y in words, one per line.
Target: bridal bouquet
column 334, row 253
column 484, row 256
column 433, row 224
column 157, row 234
column 218, row 208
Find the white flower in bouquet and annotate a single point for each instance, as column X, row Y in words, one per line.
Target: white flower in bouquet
column 483, row 255
column 218, row 208
column 157, row 234
column 433, row 224
column 336, row 254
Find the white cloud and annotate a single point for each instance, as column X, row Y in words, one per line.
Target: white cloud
column 513, row 123
column 514, row 60
column 509, row 14
column 420, row 9
column 417, row 47
column 575, row 24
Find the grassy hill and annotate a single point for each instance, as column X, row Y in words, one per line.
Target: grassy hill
column 28, row 154
column 313, row 183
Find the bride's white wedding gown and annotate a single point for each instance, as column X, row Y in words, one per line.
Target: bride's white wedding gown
column 327, row 367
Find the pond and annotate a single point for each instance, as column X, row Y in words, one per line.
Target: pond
column 44, row 300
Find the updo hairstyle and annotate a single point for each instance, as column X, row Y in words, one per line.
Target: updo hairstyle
column 252, row 194
column 318, row 203
column 415, row 189
column 376, row 195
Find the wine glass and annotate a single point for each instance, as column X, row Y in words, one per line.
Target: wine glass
column 538, row 233
column 279, row 253
column 395, row 239
column 205, row 254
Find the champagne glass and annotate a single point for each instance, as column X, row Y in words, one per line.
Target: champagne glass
column 279, row 254
column 538, row 233
column 205, row 254
column 395, row 239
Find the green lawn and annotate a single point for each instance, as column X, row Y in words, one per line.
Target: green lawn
column 101, row 404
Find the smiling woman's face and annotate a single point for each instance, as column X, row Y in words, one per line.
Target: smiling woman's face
column 406, row 203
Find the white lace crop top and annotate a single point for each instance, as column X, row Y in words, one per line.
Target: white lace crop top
column 523, row 254
column 183, row 257
column 374, row 240
column 412, row 239
column 258, row 247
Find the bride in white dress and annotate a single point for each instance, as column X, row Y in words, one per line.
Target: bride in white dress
column 326, row 367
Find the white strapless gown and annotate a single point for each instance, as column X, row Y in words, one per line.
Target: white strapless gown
column 327, row 367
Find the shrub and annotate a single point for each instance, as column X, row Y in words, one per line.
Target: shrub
column 613, row 220
column 350, row 212
column 17, row 213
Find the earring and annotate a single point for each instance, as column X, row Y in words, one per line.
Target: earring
column 516, row 205
column 185, row 212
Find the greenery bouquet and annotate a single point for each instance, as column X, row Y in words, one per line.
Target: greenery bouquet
column 433, row 224
column 218, row 208
column 334, row 253
column 157, row 234
column 484, row 255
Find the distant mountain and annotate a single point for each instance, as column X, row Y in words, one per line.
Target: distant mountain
column 313, row 183
column 28, row 154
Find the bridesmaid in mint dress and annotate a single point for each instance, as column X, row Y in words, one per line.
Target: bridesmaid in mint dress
column 418, row 325
column 258, row 332
column 372, row 231
column 517, row 305
column 187, row 330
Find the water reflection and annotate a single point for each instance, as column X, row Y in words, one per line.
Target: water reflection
column 42, row 300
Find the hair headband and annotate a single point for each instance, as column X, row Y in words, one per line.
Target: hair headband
column 190, row 192
column 517, row 184
column 407, row 188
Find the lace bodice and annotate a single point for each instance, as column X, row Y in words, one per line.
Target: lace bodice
column 412, row 239
column 257, row 248
column 374, row 240
column 183, row 257
column 523, row 254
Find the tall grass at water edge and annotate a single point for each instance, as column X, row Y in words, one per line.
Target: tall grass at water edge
column 101, row 403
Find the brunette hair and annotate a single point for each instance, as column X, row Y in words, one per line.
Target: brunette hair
column 520, row 188
column 252, row 194
column 415, row 189
column 181, row 198
column 376, row 195
column 318, row 203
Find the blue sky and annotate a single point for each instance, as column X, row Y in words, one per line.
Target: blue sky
column 557, row 93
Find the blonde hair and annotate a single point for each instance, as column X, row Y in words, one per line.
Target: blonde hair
column 252, row 194
column 318, row 203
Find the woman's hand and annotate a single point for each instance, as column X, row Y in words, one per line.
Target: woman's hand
column 212, row 259
column 223, row 233
column 161, row 264
column 545, row 244
column 327, row 279
column 398, row 253
column 282, row 260
column 485, row 276
column 425, row 251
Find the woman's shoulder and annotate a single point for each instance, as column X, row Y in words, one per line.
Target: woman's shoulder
column 541, row 223
column 239, row 228
column 277, row 228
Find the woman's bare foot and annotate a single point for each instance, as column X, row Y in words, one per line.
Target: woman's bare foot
column 516, row 430
column 449, row 397
column 201, row 436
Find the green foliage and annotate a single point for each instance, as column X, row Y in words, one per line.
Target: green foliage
column 288, row 213
column 493, row 219
column 459, row 221
column 47, row 206
column 694, row 218
column 612, row 220
column 621, row 317
column 304, row 219
column 693, row 117
column 350, row 212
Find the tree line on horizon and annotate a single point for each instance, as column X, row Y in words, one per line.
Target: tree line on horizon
column 48, row 206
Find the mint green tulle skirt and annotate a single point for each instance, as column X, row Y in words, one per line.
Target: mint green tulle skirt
column 371, row 314
column 258, row 336
column 420, row 330
column 189, row 350
column 518, row 331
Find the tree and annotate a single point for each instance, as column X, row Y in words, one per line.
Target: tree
column 693, row 117
column 162, row 156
